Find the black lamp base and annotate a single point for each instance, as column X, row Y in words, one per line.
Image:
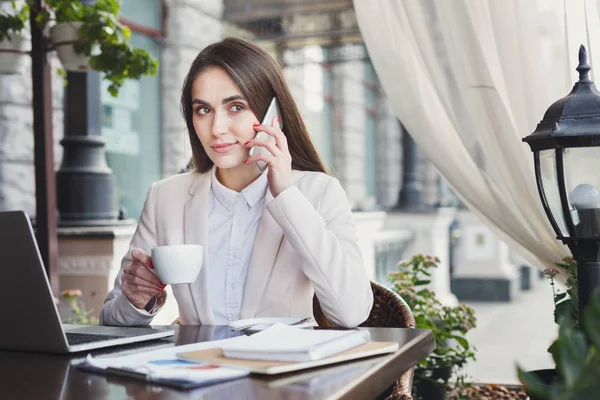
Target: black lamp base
column 588, row 281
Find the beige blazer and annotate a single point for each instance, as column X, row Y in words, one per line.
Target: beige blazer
column 306, row 243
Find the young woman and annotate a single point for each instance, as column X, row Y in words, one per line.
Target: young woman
column 271, row 240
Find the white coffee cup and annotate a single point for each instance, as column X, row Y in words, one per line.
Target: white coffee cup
column 178, row 263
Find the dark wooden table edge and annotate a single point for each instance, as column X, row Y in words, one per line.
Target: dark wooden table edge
column 396, row 365
column 372, row 380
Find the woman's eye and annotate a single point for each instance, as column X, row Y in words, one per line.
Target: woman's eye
column 202, row 110
column 237, row 108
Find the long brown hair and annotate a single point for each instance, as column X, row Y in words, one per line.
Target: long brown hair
column 259, row 77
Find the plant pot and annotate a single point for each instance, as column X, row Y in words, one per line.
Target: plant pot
column 63, row 35
column 12, row 55
column 547, row 376
column 430, row 383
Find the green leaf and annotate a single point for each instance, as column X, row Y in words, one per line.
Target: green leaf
column 423, row 322
column 559, row 297
column 101, row 29
column 577, row 361
column 533, row 384
column 565, row 309
column 445, row 323
column 462, row 341
column 573, row 352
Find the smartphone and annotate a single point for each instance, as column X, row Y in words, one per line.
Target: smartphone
column 272, row 112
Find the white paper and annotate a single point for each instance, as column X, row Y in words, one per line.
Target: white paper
column 264, row 323
column 163, row 363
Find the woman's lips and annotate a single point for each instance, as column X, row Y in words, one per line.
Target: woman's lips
column 223, row 147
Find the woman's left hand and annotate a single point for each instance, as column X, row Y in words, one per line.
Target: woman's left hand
column 279, row 161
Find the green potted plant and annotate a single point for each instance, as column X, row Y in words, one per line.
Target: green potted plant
column 576, row 353
column 12, row 37
column 565, row 313
column 91, row 36
column 565, row 303
column 449, row 326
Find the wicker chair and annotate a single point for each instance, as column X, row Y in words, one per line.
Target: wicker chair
column 389, row 311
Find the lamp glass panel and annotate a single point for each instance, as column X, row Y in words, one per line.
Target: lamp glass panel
column 582, row 182
column 550, row 187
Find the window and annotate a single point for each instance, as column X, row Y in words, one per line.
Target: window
column 131, row 123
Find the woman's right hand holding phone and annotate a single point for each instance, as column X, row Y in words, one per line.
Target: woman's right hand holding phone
column 138, row 283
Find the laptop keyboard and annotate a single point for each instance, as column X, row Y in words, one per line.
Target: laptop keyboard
column 83, row 338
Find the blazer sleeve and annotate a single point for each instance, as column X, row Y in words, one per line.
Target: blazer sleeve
column 326, row 240
column 117, row 310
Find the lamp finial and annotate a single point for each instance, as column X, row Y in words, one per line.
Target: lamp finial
column 583, row 68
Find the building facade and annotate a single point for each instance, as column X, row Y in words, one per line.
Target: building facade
column 343, row 104
column 339, row 96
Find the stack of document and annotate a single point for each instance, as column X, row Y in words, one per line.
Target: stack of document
column 282, row 342
column 162, row 366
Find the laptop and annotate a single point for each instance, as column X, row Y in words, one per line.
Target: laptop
column 30, row 316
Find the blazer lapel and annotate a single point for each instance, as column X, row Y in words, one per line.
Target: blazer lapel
column 196, row 232
column 264, row 252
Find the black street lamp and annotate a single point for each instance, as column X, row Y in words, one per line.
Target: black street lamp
column 566, row 151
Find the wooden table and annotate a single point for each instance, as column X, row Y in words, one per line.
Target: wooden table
column 43, row 376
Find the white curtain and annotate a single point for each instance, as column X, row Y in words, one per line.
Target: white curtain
column 469, row 79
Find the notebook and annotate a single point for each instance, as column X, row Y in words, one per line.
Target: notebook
column 215, row 357
column 282, row 342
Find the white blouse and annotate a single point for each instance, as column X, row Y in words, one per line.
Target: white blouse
column 234, row 218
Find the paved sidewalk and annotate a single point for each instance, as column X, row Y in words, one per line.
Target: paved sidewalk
column 510, row 333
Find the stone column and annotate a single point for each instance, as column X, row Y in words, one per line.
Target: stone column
column 190, row 26
column 17, row 180
column 389, row 143
column 430, row 188
column 409, row 197
column 348, row 128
